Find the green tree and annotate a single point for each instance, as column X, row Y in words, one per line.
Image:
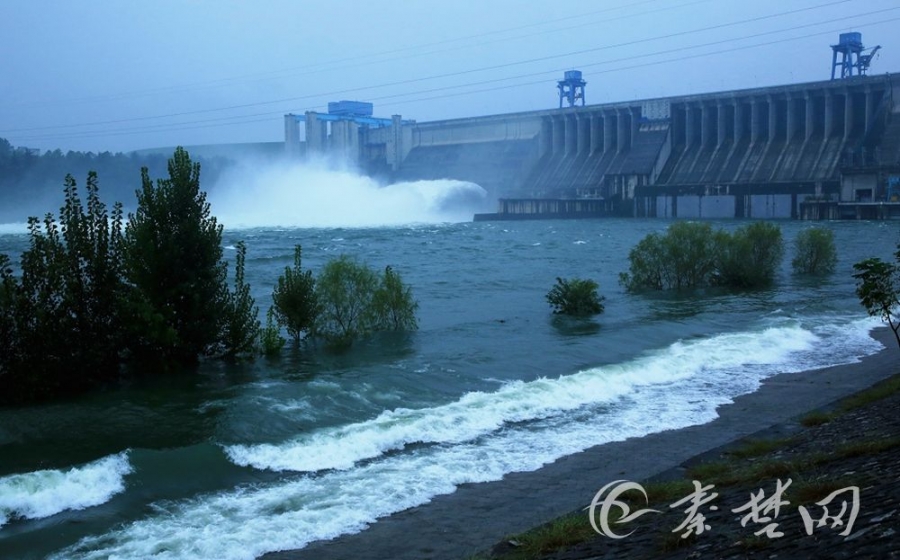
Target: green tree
column 814, row 252
column 684, row 257
column 294, row 299
column 751, row 255
column 174, row 260
column 8, row 334
column 241, row 329
column 345, row 291
column 60, row 321
column 393, row 304
column 576, row 297
column 878, row 289
column 271, row 341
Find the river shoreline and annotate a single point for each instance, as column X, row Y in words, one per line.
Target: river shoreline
column 477, row 516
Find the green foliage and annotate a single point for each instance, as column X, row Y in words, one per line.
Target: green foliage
column 878, row 289
column 693, row 255
column 345, row 290
column 271, row 341
column 241, row 329
column 750, row 256
column 60, row 322
column 355, row 302
column 814, row 252
column 577, row 297
column 684, row 257
column 174, row 260
column 94, row 295
column 393, row 304
column 294, row 299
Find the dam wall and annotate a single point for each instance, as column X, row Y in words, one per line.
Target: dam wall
column 760, row 152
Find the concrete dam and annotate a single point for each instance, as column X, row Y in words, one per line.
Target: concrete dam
column 827, row 149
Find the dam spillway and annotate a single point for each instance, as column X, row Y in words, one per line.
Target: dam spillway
column 772, row 152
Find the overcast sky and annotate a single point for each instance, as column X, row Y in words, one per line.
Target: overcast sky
column 121, row 75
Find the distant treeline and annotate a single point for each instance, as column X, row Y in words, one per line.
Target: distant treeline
column 31, row 183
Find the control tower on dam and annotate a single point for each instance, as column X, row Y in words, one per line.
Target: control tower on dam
column 825, row 149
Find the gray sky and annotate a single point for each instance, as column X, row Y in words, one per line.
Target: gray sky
column 120, row 75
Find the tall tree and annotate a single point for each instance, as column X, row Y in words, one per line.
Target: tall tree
column 174, row 260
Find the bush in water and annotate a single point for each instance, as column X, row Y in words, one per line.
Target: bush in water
column 61, row 320
column 575, row 297
column 749, row 257
column 93, row 297
column 686, row 256
column 814, row 252
column 354, row 302
column 692, row 254
column 294, row 302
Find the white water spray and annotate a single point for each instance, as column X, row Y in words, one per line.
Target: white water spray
column 316, row 195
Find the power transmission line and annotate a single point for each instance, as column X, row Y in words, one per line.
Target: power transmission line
column 434, row 77
column 506, row 80
column 361, row 60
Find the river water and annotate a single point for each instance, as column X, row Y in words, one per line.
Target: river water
column 243, row 459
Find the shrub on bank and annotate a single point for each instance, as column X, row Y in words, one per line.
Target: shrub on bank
column 878, row 289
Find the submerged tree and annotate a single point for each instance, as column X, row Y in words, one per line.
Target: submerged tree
column 241, row 329
column 93, row 295
column 393, row 304
column 60, row 322
column 749, row 257
column 577, row 297
column 355, row 302
column 174, row 260
column 693, row 255
column 686, row 256
column 294, row 301
column 814, row 252
column 271, row 341
column 345, row 290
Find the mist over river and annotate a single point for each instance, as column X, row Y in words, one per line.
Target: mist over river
column 243, row 459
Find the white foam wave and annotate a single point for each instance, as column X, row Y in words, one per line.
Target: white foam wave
column 676, row 387
column 315, row 195
column 44, row 493
column 479, row 413
column 673, row 388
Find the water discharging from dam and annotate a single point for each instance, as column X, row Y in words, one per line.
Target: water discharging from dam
column 316, row 195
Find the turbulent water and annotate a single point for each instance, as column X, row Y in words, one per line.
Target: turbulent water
column 245, row 459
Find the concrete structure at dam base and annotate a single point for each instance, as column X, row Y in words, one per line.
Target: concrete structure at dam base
column 820, row 150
